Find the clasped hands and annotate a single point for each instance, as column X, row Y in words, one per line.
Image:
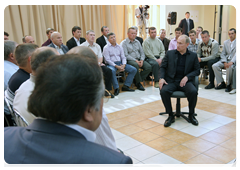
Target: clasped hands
column 182, row 83
column 227, row 65
column 140, row 63
column 121, row 67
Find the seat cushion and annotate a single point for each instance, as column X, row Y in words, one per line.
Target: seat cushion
column 178, row 94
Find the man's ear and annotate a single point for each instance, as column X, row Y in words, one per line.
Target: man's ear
column 11, row 57
column 87, row 115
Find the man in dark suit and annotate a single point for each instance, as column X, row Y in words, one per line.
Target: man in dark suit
column 177, row 72
column 102, row 41
column 164, row 40
column 76, row 40
column 68, row 96
column 186, row 24
column 56, row 38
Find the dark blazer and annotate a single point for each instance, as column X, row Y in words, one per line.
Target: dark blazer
column 72, row 43
column 64, row 47
column 183, row 25
column 46, row 142
column 101, row 41
column 139, row 39
column 165, row 44
column 169, row 65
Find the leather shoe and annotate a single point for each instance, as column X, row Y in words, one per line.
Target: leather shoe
column 221, row 86
column 209, row 86
column 169, row 121
column 193, row 120
column 116, row 92
column 126, row 88
column 228, row 89
column 140, row 87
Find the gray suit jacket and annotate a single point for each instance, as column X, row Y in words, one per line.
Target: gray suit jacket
column 46, row 142
column 227, row 54
column 64, row 47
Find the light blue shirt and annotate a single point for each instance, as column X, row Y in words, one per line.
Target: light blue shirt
column 9, row 69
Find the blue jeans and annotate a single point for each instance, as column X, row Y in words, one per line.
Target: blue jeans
column 128, row 68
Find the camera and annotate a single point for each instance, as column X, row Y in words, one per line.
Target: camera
column 145, row 11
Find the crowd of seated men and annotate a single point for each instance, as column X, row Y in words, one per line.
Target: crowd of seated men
column 54, row 74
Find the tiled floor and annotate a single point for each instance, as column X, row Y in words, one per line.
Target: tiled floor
column 139, row 132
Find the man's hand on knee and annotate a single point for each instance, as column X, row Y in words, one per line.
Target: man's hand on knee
column 161, row 83
column 183, row 81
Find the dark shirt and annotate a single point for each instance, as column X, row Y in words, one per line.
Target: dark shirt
column 17, row 79
column 180, row 66
column 47, row 43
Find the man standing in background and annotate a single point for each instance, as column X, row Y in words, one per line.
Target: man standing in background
column 186, row 24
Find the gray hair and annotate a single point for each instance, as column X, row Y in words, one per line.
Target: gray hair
column 89, row 31
column 23, row 51
column 187, row 40
column 9, row 47
column 110, row 34
column 135, row 27
column 55, row 32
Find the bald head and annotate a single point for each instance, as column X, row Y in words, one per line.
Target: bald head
column 182, row 43
column 41, row 55
column 83, row 51
column 28, row 39
column 56, row 38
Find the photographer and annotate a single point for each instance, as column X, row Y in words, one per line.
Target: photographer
column 142, row 16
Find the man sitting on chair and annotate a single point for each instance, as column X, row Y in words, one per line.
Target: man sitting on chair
column 177, row 72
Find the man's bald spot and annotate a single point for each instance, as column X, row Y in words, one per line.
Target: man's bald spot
column 83, row 51
column 54, row 34
column 185, row 38
column 44, row 48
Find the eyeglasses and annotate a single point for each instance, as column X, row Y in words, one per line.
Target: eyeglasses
column 106, row 96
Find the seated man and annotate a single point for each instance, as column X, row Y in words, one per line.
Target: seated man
column 10, row 63
column 107, row 72
column 22, row 94
column 28, row 39
column 6, row 35
column 193, row 46
column 137, row 37
column 22, row 54
column 208, row 54
column 56, row 38
column 49, row 41
column 178, row 70
column 69, row 115
column 227, row 61
column 164, row 40
column 154, row 51
column 173, row 42
column 116, row 60
column 135, row 56
column 76, row 40
column 102, row 41
column 199, row 30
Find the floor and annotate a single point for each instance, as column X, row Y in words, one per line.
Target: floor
column 139, row 132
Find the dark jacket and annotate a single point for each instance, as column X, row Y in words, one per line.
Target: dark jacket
column 46, row 142
column 72, row 43
column 169, row 65
column 165, row 44
column 101, row 41
column 183, row 25
column 64, row 47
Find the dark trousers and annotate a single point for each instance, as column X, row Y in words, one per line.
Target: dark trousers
column 189, row 89
column 107, row 74
column 140, row 76
column 155, row 68
column 209, row 63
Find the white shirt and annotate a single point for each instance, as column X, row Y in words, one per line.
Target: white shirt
column 88, row 134
column 9, row 69
column 231, row 43
column 106, row 39
column 20, row 102
column 59, row 49
column 95, row 47
column 77, row 41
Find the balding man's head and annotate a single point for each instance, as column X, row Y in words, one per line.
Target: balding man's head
column 83, row 51
column 28, row 39
column 56, row 38
column 41, row 55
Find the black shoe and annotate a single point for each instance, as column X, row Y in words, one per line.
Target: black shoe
column 126, row 88
column 228, row 89
column 193, row 120
column 140, row 87
column 209, row 86
column 112, row 96
column 169, row 121
column 116, row 92
column 221, row 86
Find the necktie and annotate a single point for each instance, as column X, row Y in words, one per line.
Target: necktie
column 188, row 28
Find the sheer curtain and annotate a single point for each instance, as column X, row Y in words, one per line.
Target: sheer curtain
column 21, row 20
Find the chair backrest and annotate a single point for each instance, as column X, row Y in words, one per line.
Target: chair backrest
column 20, row 121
